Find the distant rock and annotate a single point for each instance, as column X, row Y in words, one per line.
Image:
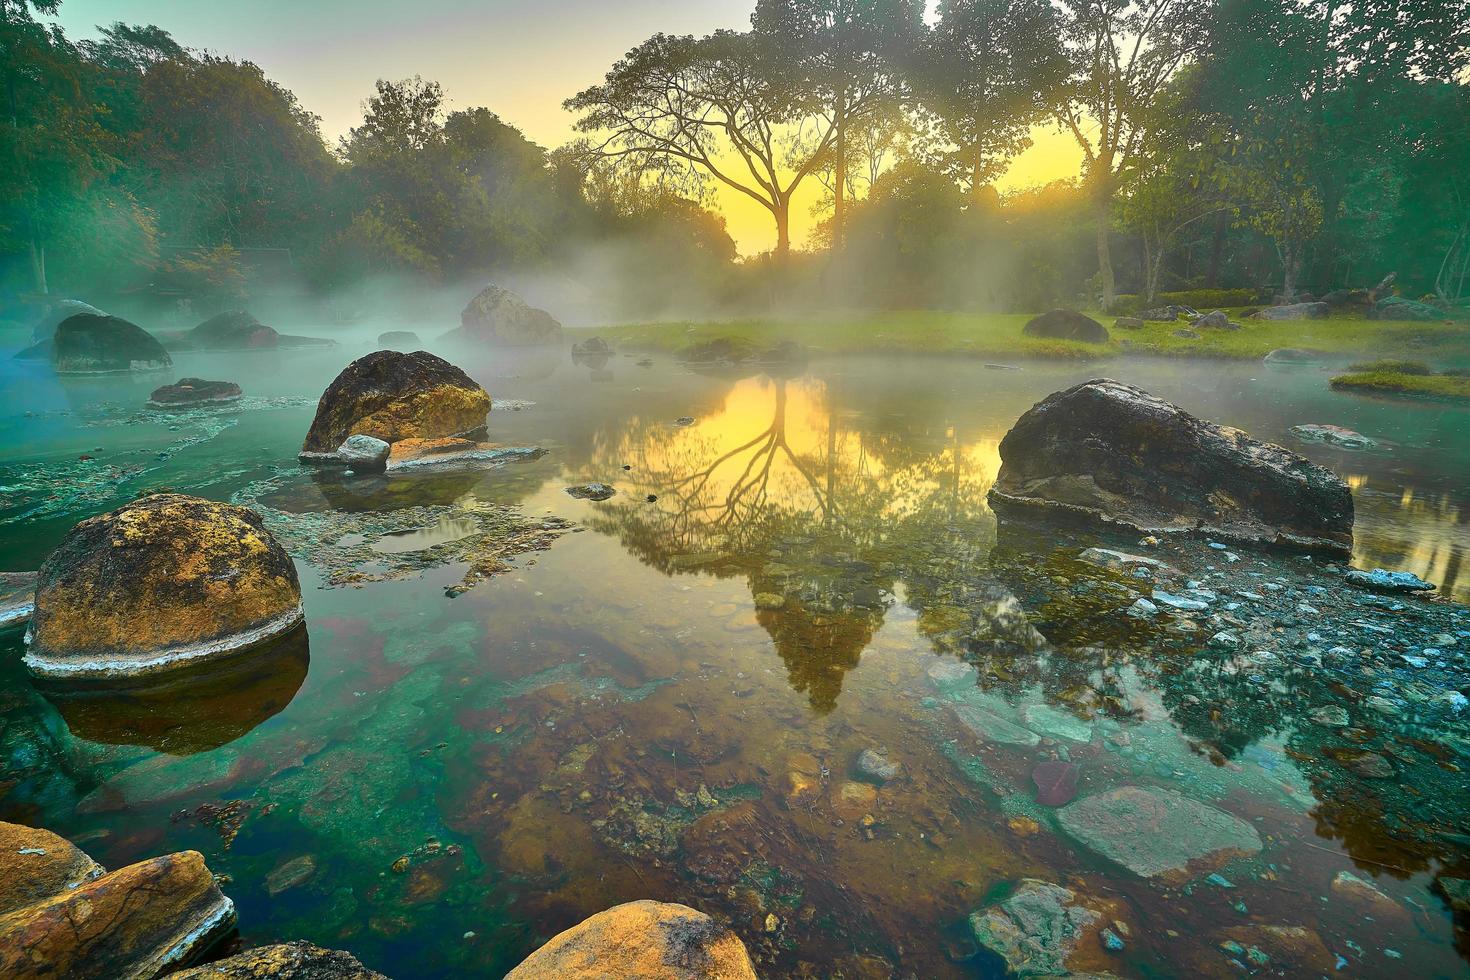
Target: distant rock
column 394, row 396
column 591, row 491
column 1166, row 314
column 188, row 392
column 1332, row 435
column 1066, row 325
column 233, row 330
column 1216, row 320
column 1115, row 455
column 1128, row 323
column 1294, row 311
column 1399, row 308
column 498, row 317
column 1158, row 833
column 1293, row 355
column 404, row 340
column 364, row 454
column 160, row 583
column 1042, row 929
column 1349, row 299
column 592, row 345
column 643, row 940
column 1381, row 580
column 286, row 961
column 90, row 344
column 17, row 597
column 1184, row 333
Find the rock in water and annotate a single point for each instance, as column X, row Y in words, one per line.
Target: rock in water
column 1292, row 355
column 17, row 597
column 399, row 340
column 1381, row 580
column 45, row 328
column 165, row 581
column 1067, row 325
column 392, row 396
column 1332, row 435
column 500, row 318
column 140, row 921
column 1294, row 311
column 1039, row 930
column 90, row 344
column 233, row 330
column 591, row 491
column 1113, row 454
column 364, row 454
column 644, row 940
column 188, row 392
column 1158, row 833
column 38, row 864
column 286, row 961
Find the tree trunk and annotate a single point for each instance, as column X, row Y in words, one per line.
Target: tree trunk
column 1104, row 213
column 975, row 175
column 782, row 210
column 38, row 266
column 839, row 192
column 1291, row 267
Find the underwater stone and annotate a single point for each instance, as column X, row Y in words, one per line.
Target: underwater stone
column 591, row 491
column 653, row 940
column 875, row 767
column 1158, row 833
column 1112, row 454
column 1037, row 930
column 364, row 454
column 162, row 582
column 1381, row 580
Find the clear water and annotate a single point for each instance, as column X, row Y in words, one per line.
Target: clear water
column 469, row 775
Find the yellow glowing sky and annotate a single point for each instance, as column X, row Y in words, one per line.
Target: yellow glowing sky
column 520, row 58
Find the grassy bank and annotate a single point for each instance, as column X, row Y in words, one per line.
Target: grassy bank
column 1400, row 384
column 998, row 336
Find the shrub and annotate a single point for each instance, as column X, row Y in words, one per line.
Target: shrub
column 1197, row 299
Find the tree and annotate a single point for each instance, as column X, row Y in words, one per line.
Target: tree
column 708, row 108
column 844, row 58
column 1123, row 53
column 989, row 70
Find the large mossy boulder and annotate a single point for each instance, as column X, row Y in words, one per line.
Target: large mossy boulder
column 1066, row 325
column 285, row 961
column 394, row 396
column 164, row 582
column 644, row 940
column 1109, row 453
column 1399, row 308
column 90, row 344
column 144, row 920
column 499, row 318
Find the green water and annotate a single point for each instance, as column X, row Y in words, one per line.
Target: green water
column 469, row 775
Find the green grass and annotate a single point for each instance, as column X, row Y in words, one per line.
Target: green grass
column 1433, row 387
column 995, row 336
column 1390, row 366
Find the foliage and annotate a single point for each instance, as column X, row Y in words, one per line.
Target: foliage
column 1436, row 387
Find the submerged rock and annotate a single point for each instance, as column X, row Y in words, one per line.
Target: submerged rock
column 1158, row 833
column 17, row 597
column 1294, row 311
column 91, row 344
column 364, row 454
column 38, row 864
column 1066, row 325
column 1381, row 580
column 875, row 767
column 139, row 921
column 1112, row 454
column 1039, row 930
column 591, row 491
column 188, row 392
column 1332, row 435
column 164, row 581
column 500, row 318
column 285, row 961
column 644, row 940
column 394, row 396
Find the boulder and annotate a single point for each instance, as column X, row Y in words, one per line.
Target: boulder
column 1332, row 435
column 188, row 392
column 399, row 340
column 139, row 921
column 500, row 318
column 1041, row 930
column 364, row 454
column 644, row 940
column 1128, row 323
column 1294, row 311
column 38, row 864
column 1166, row 314
column 1382, row 580
column 1216, row 320
column 17, row 597
column 1112, row 454
column 1158, row 833
column 393, row 396
column 418, row 454
column 1349, row 299
column 233, row 330
column 91, row 344
column 592, row 346
column 1293, row 355
column 162, row 582
column 1399, row 308
column 285, row 961
column 62, row 309
column 1066, row 325
column 591, row 491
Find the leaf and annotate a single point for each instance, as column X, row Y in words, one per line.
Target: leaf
column 1056, row 782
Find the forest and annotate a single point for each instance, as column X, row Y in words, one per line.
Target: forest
column 1233, row 152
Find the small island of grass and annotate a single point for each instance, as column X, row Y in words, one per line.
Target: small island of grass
column 1405, row 379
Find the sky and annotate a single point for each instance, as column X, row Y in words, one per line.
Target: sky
column 519, row 59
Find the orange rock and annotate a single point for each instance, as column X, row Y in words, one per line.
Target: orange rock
column 644, row 940
column 135, row 922
column 38, row 864
column 287, row 961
